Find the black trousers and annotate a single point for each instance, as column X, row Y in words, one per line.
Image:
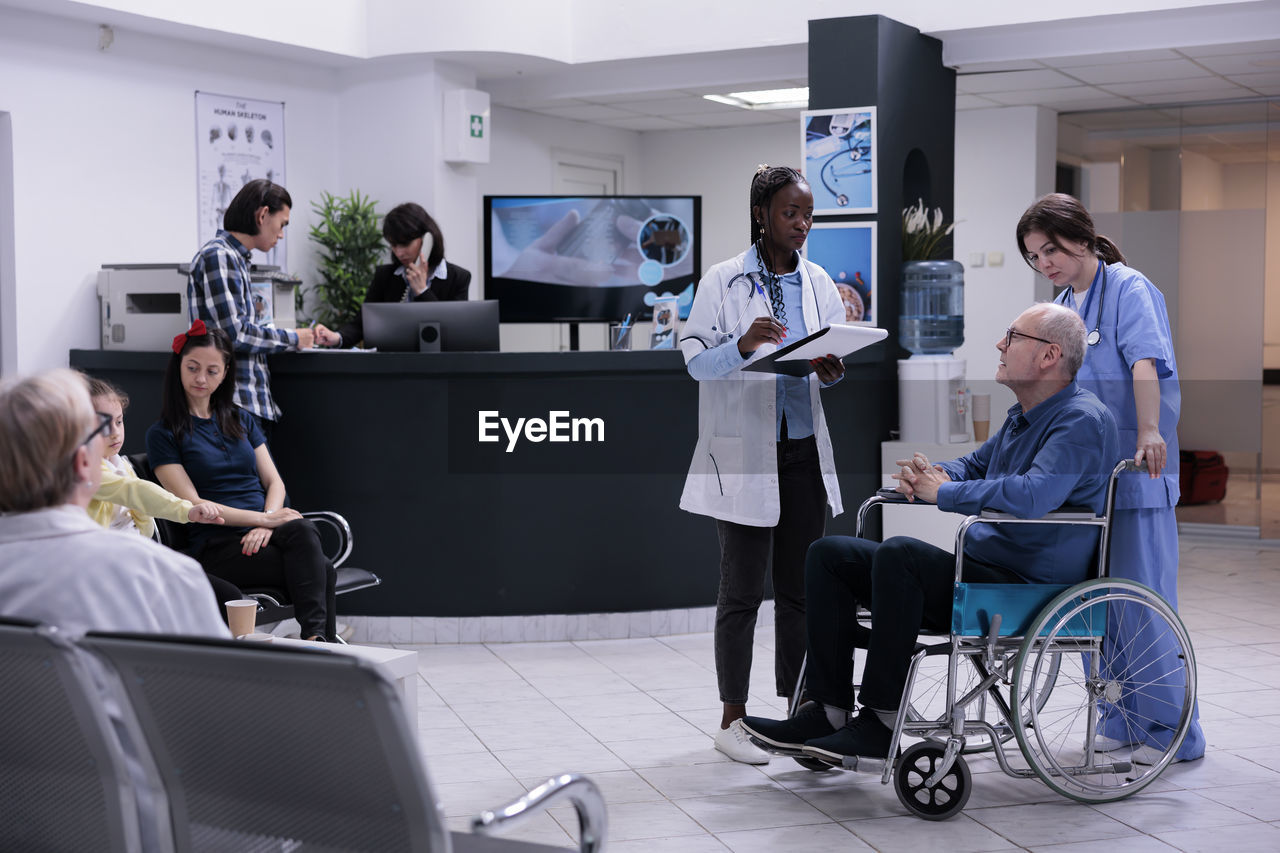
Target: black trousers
column 291, row 560
column 905, row 583
column 747, row 554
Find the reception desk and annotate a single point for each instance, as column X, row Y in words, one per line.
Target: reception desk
column 569, row 504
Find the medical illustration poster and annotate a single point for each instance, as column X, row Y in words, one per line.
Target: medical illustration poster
column 838, row 153
column 847, row 251
column 237, row 140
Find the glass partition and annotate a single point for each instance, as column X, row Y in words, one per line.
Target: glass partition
column 1185, row 192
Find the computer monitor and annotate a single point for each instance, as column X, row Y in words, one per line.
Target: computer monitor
column 465, row 326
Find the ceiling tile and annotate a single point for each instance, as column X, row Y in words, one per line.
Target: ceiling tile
column 645, row 123
column 1253, row 81
column 1247, row 63
column 1130, row 72
column 1231, row 49
column 1101, row 103
column 1048, row 97
column 679, row 106
column 627, row 97
column 1007, row 81
column 974, row 102
column 1224, row 90
column 587, row 112
column 1110, row 58
column 744, row 118
column 1191, row 89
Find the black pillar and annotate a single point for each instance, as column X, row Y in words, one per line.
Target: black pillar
column 874, row 61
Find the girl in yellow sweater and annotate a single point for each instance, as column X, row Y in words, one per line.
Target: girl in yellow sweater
column 123, row 501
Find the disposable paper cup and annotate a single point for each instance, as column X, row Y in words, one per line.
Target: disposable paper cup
column 242, row 615
column 981, row 405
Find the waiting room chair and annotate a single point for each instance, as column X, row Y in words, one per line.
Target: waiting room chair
column 273, row 602
column 64, row 778
column 248, row 739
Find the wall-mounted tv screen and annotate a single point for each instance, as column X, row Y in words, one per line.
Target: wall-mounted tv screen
column 550, row 258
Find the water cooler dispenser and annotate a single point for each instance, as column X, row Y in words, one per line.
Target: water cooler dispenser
column 932, row 395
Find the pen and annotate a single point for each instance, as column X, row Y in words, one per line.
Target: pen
column 765, row 298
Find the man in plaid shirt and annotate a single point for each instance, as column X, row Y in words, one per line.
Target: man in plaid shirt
column 218, row 292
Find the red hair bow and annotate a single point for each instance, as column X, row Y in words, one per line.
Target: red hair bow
column 197, row 330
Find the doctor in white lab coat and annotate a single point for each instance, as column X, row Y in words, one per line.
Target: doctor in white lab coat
column 763, row 466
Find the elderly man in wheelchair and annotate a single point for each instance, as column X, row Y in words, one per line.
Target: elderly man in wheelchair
column 1058, row 448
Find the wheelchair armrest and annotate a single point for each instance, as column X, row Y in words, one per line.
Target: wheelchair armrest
column 1065, row 514
column 580, row 790
column 340, row 531
column 891, row 495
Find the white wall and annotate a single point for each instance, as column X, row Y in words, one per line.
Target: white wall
column 8, row 286
column 717, row 164
column 104, row 161
column 996, row 181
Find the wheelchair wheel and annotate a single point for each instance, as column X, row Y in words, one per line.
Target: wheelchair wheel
column 944, row 799
column 1126, row 669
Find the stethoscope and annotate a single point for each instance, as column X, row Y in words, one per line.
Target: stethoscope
column 753, row 287
column 1095, row 337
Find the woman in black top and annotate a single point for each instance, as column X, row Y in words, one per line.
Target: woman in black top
column 419, row 272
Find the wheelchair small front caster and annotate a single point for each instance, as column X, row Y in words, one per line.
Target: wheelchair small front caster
column 943, row 800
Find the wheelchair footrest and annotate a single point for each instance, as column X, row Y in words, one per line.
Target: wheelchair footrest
column 856, row 763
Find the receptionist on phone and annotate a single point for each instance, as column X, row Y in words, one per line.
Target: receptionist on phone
column 419, row 272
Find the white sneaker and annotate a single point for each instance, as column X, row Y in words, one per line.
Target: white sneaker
column 736, row 743
column 1102, row 743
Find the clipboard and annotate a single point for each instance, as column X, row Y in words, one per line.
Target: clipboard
column 837, row 339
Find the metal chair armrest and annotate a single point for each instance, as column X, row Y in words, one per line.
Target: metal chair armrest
column 581, row 791
column 341, row 529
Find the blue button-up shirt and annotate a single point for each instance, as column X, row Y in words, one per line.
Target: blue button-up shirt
column 218, row 292
column 1060, row 452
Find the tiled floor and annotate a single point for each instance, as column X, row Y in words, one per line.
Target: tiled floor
column 637, row 715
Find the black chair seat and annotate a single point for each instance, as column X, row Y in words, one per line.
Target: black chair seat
column 273, row 602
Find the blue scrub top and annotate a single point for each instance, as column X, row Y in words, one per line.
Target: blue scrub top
column 1134, row 325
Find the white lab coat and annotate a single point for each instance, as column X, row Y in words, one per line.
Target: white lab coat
column 734, row 472
column 57, row 566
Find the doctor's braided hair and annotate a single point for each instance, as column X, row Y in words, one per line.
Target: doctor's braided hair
column 1062, row 217
column 764, row 186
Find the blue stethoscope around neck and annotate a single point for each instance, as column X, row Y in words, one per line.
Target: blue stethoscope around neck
column 1095, row 337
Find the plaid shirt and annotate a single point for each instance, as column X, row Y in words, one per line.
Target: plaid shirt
column 218, row 293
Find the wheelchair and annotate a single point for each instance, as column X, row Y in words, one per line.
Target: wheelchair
column 1046, row 667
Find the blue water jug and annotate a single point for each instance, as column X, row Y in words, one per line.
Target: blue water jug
column 932, row 318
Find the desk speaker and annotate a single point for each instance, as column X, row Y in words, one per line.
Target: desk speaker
column 429, row 337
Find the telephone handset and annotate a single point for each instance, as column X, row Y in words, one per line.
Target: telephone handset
column 428, row 243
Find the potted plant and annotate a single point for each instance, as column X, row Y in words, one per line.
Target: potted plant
column 351, row 246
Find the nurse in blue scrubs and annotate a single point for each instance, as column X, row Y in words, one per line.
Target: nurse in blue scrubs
column 1130, row 365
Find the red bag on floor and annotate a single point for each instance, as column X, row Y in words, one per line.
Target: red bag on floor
column 1203, row 476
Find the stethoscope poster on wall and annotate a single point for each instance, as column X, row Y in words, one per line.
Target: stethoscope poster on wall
column 837, row 148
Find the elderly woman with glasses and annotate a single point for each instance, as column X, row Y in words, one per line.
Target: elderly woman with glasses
column 56, row 564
